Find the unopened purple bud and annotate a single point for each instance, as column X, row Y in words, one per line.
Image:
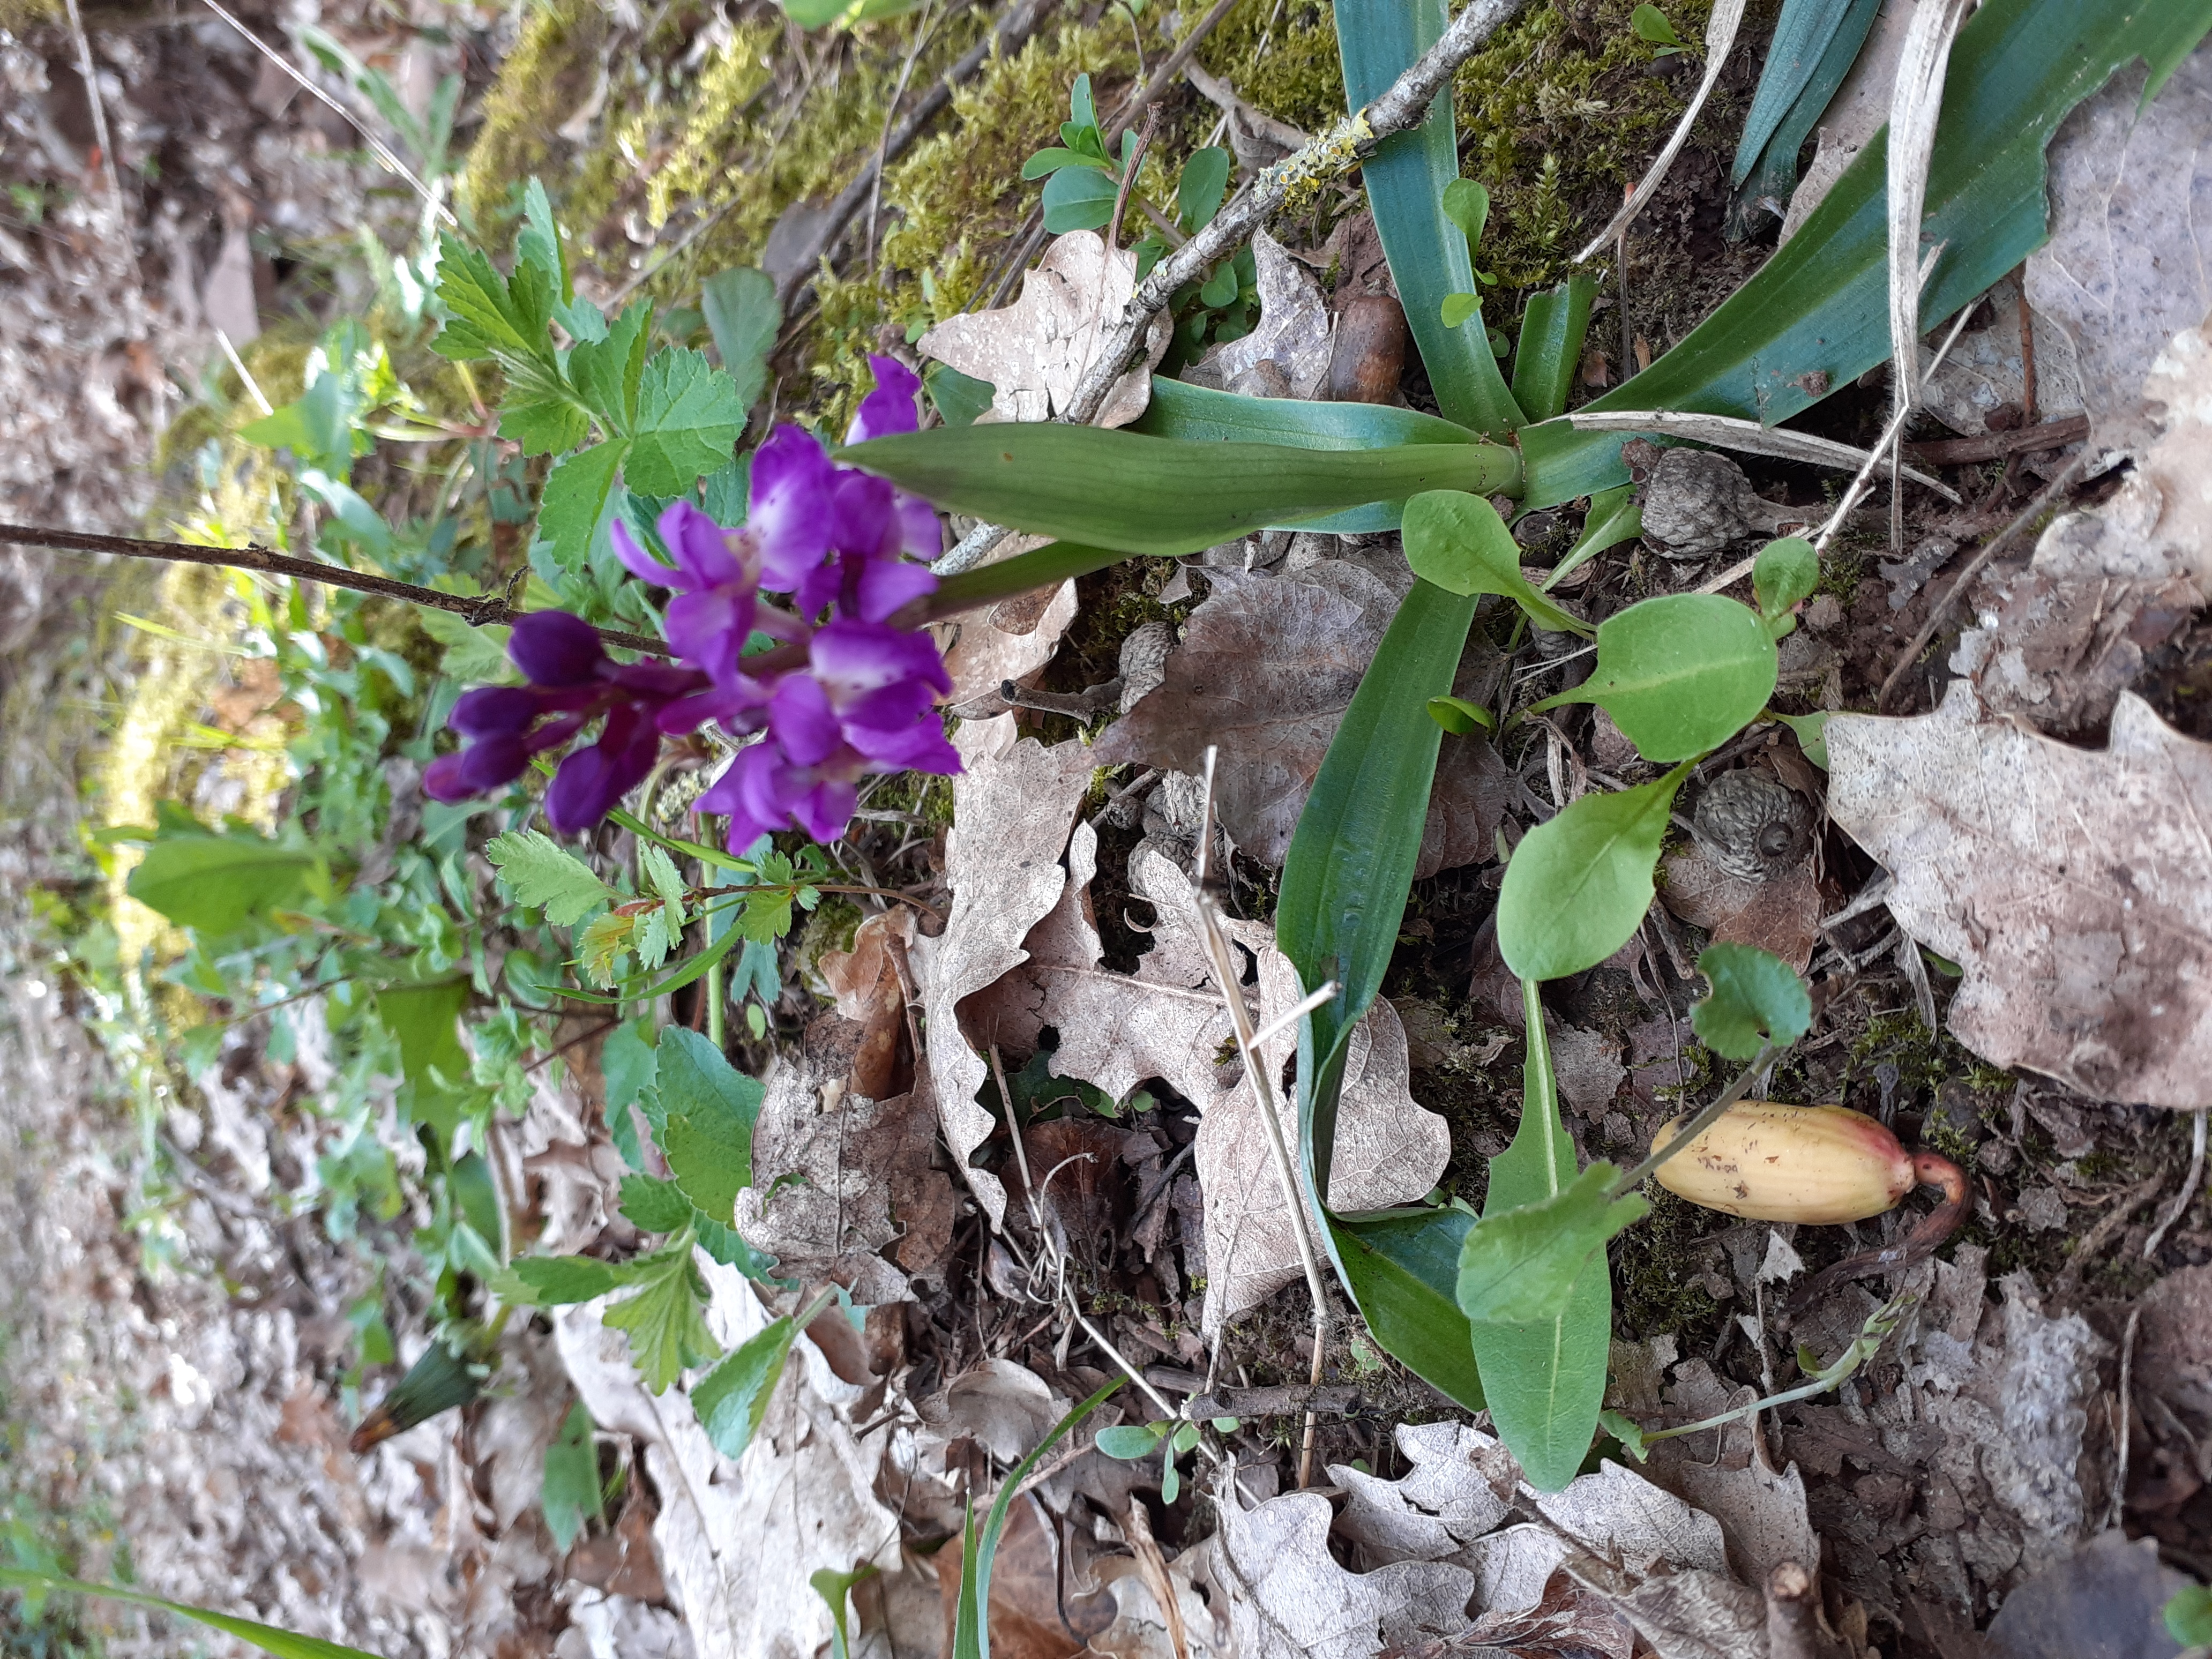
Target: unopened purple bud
column 492, row 709
column 890, row 407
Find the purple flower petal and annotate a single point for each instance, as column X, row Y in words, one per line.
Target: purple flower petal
column 801, row 723
column 921, row 534
column 824, row 810
column 445, row 778
column 789, row 515
column 491, row 709
column 921, row 746
column 635, row 560
column 885, row 585
column 862, row 517
column 710, row 629
column 591, row 780
column 854, row 657
column 890, row 407
column 552, row 647
column 702, row 547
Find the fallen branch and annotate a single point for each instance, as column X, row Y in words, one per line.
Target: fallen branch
column 480, row 610
column 1995, row 446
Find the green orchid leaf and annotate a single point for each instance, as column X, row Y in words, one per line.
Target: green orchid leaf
column 1406, row 178
column 1816, row 313
column 732, row 1401
column 1402, row 1268
column 1680, row 674
column 284, row 1643
column 1757, row 999
column 1458, row 542
column 1168, row 495
column 1550, row 353
column 1578, row 887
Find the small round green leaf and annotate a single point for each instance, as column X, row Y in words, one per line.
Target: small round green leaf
column 1784, row 573
column 1170, row 1483
column 1680, row 675
column 1467, row 204
column 1651, row 24
column 1578, row 887
column 1457, row 541
column 1757, row 999
column 1186, row 1436
column 2189, row 1616
column 1226, row 1426
column 1812, row 732
column 1458, row 308
column 1130, row 1441
column 1459, row 717
column 1199, row 191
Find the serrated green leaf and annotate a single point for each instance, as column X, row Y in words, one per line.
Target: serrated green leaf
column 652, row 938
column 1576, row 888
column 607, row 373
column 473, row 655
column 655, row 1205
column 1680, row 674
column 539, row 242
column 659, row 871
column 575, row 500
column 668, row 1332
column 1520, row 1267
column 743, row 318
column 425, row 1021
column 689, row 421
column 570, row 1494
column 728, row 1246
column 766, row 916
column 1757, row 998
column 711, row 1108
column 603, row 943
column 732, row 1399
column 547, row 877
column 480, row 317
column 553, row 1281
column 1458, row 542
column 539, row 412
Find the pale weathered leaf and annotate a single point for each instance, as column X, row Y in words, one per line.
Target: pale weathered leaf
column 1265, row 671
column 1292, row 332
column 2129, row 263
column 1012, row 640
column 1011, row 818
column 1035, row 352
column 1288, row 1598
column 2067, row 883
column 1442, row 1504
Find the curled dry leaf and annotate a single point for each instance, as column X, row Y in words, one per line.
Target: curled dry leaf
column 870, row 991
column 1166, row 1021
column 1684, row 1614
column 1012, row 640
column 1444, row 1504
column 2129, row 263
column 1781, row 915
column 1035, row 351
column 2067, row 883
column 1266, row 669
column 1292, row 332
column 1760, row 1509
column 1010, row 817
column 844, row 1188
column 2108, row 586
column 1288, row 1598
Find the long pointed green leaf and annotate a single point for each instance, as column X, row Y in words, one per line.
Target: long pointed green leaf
column 1775, row 177
column 971, row 1630
column 1816, row 313
column 1378, row 40
column 1044, row 566
column 1179, row 410
column 284, row 1643
column 1802, row 35
column 1544, row 1382
column 1146, row 494
column 1400, row 1266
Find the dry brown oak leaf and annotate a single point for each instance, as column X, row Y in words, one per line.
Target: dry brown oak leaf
column 1035, row 351
column 1011, row 815
column 1266, row 669
column 1012, row 640
column 1167, row 1021
column 2069, row 886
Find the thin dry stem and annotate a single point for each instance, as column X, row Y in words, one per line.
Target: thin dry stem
column 2190, row 1185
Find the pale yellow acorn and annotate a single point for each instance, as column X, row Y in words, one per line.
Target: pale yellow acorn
column 1819, row 1164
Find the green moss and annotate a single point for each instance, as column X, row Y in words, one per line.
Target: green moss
column 551, row 70
column 1658, row 1275
column 1280, row 55
column 1557, row 116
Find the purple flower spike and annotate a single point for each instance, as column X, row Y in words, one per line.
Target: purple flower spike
column 889, row 408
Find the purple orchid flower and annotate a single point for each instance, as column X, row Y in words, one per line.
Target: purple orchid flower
column 841, row 544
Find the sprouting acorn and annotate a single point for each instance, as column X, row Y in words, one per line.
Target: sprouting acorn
column 1820, row 1164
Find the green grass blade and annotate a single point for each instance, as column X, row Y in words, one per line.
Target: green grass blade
column 971, row 1632
column 1378, row 40
column 284, row 1643
column 1160, row 495
column 1820, row 306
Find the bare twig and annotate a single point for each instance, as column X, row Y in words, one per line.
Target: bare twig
column 1160, row 78
column 90, row 71
column 382, row 151
column 2120, row 1434
column 2191, row 1184
column 1129, row 177
column 488, row 608
column 1720, row 39
column 1940, row 611
column 1728, row 432
column 1996, row 446
column 1864, row 481
column 1222, row 960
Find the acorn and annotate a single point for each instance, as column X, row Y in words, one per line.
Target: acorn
column 1369, row 356
column 1819, row 1164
